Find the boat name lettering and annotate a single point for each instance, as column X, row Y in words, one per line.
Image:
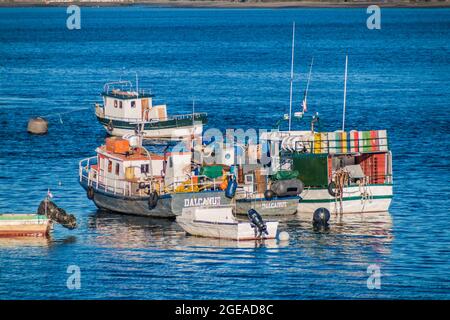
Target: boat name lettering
column 272, row 205
column 197, row 202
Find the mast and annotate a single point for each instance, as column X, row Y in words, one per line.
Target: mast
column 305, row 96
column 292, row 75
column 193, row 111
column 137, row 85
column 345, row 93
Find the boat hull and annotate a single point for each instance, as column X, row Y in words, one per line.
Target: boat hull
column 238, row 231
column 170, row 129
column 273, row 207
column 372, row 198
column 20, row 225
column 168, row 206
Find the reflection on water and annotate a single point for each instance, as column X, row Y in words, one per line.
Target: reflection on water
column 139, row 232
column 132, row 257
column 125, row 231
column 14, row 242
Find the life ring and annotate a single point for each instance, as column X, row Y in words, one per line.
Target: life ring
column 110, row 126
column 153, row 200
column 142, row 185
column 332, row 188
column 90, row 193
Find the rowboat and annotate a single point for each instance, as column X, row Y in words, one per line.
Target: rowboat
column 18, row 225
column 220, row 223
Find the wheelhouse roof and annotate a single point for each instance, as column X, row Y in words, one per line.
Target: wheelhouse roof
column 138, row 155
column 124, row 95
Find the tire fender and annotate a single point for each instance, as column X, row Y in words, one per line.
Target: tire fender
column 90, row 193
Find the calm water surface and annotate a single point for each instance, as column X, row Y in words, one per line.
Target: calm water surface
column 236, row 64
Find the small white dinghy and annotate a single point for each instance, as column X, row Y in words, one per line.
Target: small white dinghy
column 219, row 222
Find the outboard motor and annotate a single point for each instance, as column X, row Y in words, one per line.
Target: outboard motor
column 54, row 213
column 257, row 222
column 320, row 218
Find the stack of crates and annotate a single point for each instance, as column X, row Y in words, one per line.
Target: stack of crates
column 374, row 166
column 354, row 141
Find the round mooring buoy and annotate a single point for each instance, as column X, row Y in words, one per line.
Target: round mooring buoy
column 37, row 126
column 283, row 236
column 321, row 216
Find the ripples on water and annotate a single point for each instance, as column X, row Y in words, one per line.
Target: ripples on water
column 135, row 257
column 236, row 65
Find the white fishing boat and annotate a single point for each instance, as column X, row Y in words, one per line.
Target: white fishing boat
column 220, row 223
column 342, row 171
column 126, row 110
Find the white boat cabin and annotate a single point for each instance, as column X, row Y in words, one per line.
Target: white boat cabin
column 121, row 167
column 125, row 103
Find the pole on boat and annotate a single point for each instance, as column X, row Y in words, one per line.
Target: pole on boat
column 193, row 123
column 193, row 111
column 292, row 75
column 305, row 95
column 345, row 93
column 137, row 85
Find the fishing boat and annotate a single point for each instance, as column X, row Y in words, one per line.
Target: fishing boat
column 258, row 190
column 23, row 224
column 127, row 178
column 126, row 110
column 255, row 187
column 345, row 172
column 220, row 223
column 342, row 171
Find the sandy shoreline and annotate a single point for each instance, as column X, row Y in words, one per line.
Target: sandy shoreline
column 226, row 4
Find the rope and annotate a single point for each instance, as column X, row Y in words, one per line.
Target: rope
column 340, row 179
column 62, row 113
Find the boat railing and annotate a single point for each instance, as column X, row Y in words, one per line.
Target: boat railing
column 110, row 86
column 92, row 177
column 379, row 179
column 99, row 111
column 187, row 184
column 343, row 146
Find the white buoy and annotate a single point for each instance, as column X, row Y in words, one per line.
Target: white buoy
column 37, row 126
column 283, row 236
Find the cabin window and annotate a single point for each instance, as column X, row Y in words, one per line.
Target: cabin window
column 115, row 103
column 133, row 104
column 120, row 104
column 170, row 162
column 109, row 166
column 145, row 168
column 117, row 169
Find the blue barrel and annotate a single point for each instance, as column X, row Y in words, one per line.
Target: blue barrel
column 231, row 187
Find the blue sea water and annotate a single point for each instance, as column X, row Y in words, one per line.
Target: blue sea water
column 236, row 65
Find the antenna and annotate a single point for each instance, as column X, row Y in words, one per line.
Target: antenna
column 193, row 113
column 137, row 84
column 345, row 93
column 309, row 78
column 292, row 75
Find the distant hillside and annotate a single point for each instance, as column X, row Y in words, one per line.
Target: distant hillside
column 234, row 3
